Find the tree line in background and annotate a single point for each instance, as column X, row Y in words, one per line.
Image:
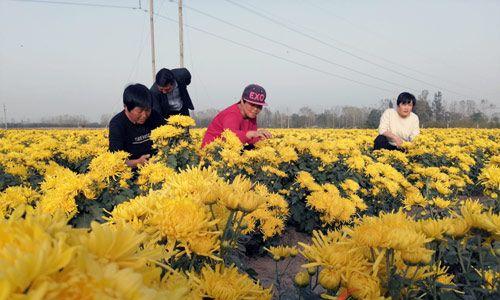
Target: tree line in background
column 432, row 113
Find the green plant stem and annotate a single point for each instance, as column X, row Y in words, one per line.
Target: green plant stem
column 434, row 288
column 469, row 258
column 440, row 253
column 317, row 276
column 436, row 245
column 228, row 225
column 191, row 264
column 299, row 296
column 310, row 282
column 286, row 267
column 213, row 216
column 278, row 285
column 227, row 231
column 388, row 267
column 480, row 256
column 461, row 260
column 393, row 257
column 237, row 230
column 406, row 271
column 427, row 180
column 413, row 276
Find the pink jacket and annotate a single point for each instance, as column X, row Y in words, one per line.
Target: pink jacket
column 232, row 119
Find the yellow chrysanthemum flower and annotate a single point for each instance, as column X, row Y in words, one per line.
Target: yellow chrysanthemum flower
column 181, row 121
column 226, row 283
column 281, row 252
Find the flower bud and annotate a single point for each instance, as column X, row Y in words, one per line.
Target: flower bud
column 301, row 279
column 329, row 279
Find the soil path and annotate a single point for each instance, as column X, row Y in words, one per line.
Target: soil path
column 265, row 266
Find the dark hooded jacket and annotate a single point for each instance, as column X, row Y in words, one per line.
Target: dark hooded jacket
column 160, row 101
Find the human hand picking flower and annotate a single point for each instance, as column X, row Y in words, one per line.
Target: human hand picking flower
column 140, row 161
column 261, row 133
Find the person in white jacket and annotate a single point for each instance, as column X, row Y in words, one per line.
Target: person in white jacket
column 398, row 125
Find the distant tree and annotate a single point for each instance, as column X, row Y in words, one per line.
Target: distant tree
column 423, row 111
column 385, row 104
column 334, row 116
column 265, row 118
column 495, row 121
column 487, row 107
column 322, row 119
column 438, row 109
column 454, row 119
column 295, row 121
column 309, row 116
column 66, row 121
column 104, row 120
column 478, row 118
column 373, row 119
column 423, row 96
column 203, row 118
column 354, row 116
column 466, row 107
column 277, row 120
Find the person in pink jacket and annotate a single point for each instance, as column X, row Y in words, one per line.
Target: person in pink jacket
column 240, row 118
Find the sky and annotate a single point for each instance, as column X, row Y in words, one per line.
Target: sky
column 58, row 59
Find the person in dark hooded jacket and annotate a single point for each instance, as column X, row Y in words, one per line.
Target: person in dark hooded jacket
column 170, row 94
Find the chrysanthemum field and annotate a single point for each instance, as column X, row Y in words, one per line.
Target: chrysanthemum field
column 77, row 223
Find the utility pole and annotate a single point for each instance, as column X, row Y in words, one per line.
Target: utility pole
column 5, row 116
column 181, row 36
column 152, row 25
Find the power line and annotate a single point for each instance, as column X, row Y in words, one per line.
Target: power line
column 296, row 49
column 79, row 4
column 99, row 6
column 353, row 47
column 217, row 36
column 246, row 8
column 193, row 68
column 276, row 56
column 142, row 44
column 214, row 35
column 279, row 23
column 363, row 28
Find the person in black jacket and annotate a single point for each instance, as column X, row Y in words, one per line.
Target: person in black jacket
column 170, row 95
column 130, row 129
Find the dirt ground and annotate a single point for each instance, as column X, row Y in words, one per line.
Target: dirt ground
column 265, row 266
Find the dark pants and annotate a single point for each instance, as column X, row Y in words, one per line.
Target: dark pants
column 248, row 147
column 382, row 142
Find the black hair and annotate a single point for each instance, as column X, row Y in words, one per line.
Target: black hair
column 405, row 98
column 164, row 77
column 137, row 95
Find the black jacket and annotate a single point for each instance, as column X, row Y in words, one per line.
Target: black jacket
column 133, row 138
column 160, row 101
